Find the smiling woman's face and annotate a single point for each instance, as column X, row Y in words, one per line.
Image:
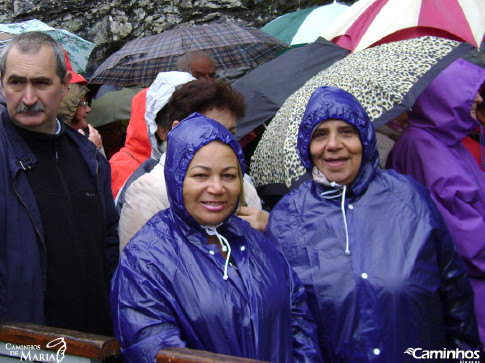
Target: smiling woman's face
column 212, row 184
column 336, row 151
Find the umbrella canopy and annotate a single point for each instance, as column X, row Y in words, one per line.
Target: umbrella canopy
column 267, row 86
column 77, row 48
column 304, row 26
column 386, row 80
column 112, row 106
column 371, row 22
column 230, row 45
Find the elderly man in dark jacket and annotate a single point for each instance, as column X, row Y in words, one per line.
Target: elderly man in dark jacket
column 3, row 103
column 58, row 238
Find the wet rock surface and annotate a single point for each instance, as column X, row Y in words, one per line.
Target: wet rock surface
column 110, row 24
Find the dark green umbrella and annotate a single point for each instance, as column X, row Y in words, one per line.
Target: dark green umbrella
column 304, row 26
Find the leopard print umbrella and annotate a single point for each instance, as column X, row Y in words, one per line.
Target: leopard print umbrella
column 386, row 79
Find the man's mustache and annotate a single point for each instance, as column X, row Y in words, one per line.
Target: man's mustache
column 37, row 107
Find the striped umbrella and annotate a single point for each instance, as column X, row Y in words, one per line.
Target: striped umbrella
column 230, row 45
column 371, row 22
column 304, row 26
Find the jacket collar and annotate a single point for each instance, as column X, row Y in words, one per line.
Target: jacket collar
column 25, row 159
column 196, row 235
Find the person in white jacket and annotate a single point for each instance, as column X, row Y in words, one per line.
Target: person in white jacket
column 155, row 114
column 147, row 195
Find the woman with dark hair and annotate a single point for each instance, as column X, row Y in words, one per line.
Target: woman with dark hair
column 197, row 276
column 204, row 95
column 148, row 194
column 379, row 266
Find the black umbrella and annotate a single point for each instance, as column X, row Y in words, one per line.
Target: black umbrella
column 268, row 86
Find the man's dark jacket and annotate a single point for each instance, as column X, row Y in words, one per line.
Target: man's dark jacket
column 23, row 257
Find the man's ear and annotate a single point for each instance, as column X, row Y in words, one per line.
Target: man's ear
column 175, row 123
column 66, row 82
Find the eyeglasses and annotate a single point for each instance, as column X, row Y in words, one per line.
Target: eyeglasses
column 85, row 104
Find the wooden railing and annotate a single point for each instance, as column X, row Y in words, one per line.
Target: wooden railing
column 185, row 355
column 19, row 340
column 34, row 342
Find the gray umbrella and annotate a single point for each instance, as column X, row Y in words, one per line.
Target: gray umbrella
column 270, row 84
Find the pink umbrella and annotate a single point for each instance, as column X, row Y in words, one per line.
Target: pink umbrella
column 371, row 22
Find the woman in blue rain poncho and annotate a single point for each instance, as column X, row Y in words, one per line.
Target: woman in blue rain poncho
column 197, row 276
column 378, row 264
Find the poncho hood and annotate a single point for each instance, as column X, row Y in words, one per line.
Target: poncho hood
column 157, row 97
column 183, row 142
column 443, row 109
column 334, row 103
column 70, row 102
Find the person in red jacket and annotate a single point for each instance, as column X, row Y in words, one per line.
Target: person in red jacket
column 137, row 146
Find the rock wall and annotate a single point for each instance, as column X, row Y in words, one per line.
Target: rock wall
column 111, row 23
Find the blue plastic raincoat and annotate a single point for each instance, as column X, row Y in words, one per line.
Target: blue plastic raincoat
column 402, row 284
column 169, row 290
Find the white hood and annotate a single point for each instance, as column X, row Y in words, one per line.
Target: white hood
column 158, row 95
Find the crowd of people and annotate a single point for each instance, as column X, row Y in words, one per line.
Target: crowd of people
column 167, row 243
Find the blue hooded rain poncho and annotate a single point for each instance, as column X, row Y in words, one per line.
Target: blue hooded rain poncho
column 169, row 289
column 380, row 269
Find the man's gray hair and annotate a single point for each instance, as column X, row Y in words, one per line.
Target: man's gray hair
column 31, row 43
column 184, row 61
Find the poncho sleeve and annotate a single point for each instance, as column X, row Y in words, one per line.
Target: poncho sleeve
column 142, row 318
column 282, row 227
column 305, row 341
